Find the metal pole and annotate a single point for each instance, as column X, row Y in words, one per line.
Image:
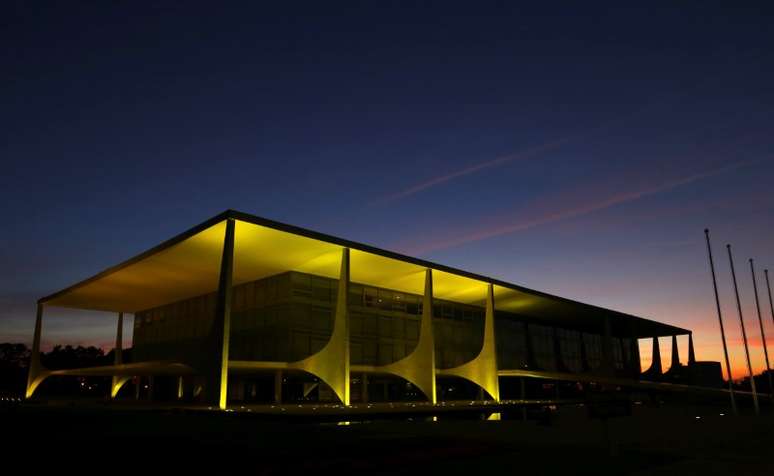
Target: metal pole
column 768, row 286
column 744, row 333
column 771, row 303
column 760, row 323
column 720, row 320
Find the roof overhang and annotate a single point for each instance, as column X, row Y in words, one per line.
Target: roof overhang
column 188, row 265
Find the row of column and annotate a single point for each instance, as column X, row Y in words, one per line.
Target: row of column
column 656, row 368
column 332, row 363
column 607, row 359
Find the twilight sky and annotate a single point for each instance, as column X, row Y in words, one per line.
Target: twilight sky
column 577, row 148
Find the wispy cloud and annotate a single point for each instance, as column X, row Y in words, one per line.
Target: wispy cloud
column 497, row 162
column 506, row 159
column 571, row 212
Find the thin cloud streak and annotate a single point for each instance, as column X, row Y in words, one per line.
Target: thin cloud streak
column 505, row 159
column 474, row 168
column 573, row 212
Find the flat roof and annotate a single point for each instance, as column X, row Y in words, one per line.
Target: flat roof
column 188, row 265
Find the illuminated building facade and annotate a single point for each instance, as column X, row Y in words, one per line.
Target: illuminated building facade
column 244, row 309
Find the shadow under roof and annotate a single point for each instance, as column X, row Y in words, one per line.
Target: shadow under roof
column 188, row 265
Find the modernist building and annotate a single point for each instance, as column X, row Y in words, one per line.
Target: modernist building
column 240, row 308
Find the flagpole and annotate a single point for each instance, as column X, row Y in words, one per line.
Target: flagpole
column 744, row 333
column 763, row 334
column 768, row 286
column 720, row 321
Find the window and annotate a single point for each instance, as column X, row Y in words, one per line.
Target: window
column 412, row 329
column 369, row 297
column 543, row 346
column 593, row 343
column 369, row 325
column 321, row 289
column 569, row 345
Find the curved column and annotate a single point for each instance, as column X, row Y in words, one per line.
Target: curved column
column 675, row 365
column 634, row 350
column 691, row 354
column 221, row 326
column 117, row 384
column 118, row 380
column 331, row 363
column 419, row 366
column 37, row 373
column 655, row 366
column 482, row 370
column 635, row 353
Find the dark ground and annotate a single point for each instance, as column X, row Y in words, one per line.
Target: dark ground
column 655, row 441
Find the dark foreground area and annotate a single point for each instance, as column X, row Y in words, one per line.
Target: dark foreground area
column 653, row 441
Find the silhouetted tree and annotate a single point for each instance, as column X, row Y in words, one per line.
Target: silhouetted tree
column 14, row 363
column 69, row 357
column 14, row 360
column 14, row 355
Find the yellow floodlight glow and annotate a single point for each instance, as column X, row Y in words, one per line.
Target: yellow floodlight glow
column 511, row 300
column 190, row 268
column 482, row 370
column 375, row 270
column 260, row 252
column 453, row 287
column 383, row 272
column 186, row 269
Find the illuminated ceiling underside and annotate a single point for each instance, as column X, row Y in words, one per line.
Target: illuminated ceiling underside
column 188, row 266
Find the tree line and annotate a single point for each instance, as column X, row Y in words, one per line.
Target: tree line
column 15, row 360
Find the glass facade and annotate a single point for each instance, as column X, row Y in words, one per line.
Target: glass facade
column 570, row 349
column 289, row 316
column 511, row 342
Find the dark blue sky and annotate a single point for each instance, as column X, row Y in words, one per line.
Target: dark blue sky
column 578, row 148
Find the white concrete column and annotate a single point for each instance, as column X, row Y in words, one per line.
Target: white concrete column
column 419, row 366
column 482, row 370
column 36, row 373
column 118, row 380
column 222, row 321
column 331, row 364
